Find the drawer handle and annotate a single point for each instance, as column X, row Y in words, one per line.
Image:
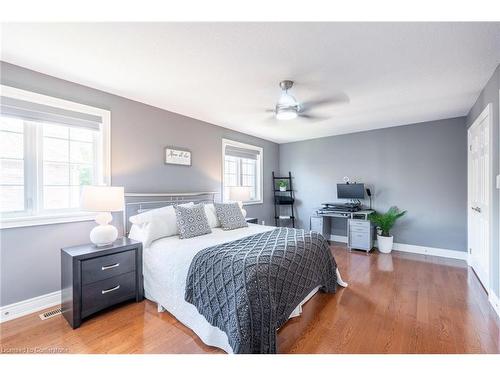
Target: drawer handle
column 110, row 290
column 104, row 268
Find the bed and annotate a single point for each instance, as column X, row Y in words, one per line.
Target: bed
column 167, row 261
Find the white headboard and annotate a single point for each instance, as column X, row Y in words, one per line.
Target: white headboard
column 135, row 203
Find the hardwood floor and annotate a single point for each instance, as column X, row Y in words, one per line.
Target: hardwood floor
column 397, row 303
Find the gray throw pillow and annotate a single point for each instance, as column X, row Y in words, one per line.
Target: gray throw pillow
column 192, row 221
column 230, row 216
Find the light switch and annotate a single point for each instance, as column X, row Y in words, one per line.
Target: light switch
column 498, row 181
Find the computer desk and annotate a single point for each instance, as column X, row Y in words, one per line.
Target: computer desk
column 321, row 222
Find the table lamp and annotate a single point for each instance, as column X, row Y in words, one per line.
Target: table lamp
column 240, row 194
column 103, row 199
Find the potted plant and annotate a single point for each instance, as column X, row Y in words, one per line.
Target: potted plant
column 283, row 185
column 384, row 223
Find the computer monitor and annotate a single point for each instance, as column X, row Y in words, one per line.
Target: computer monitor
column 350, row 191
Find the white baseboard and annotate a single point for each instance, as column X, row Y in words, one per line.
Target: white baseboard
column 18, row 309
column 425, row 250
column 434, row 251
column 495, row 302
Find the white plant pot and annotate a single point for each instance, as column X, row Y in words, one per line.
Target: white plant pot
column 385, row 243
column 282, row 188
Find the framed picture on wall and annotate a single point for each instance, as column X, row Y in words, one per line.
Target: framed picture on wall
column 177, row 156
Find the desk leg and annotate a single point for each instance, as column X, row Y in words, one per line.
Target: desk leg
column 326, row 224
column 347, row 232
column 319, row 224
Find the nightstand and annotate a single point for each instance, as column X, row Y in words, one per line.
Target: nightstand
column 94, row 278
column 252, row 220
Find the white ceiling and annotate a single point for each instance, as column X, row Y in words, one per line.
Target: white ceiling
column 378, row 75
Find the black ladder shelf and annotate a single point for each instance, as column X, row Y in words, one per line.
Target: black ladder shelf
column 283, row 198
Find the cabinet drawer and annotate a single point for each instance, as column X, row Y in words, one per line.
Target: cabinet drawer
column 360, row 223
column 107, row 292
column 360, row 246
column 101, row 268
column 359, row 229
column 359, row 238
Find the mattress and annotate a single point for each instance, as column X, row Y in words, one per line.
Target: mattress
column 166, row 264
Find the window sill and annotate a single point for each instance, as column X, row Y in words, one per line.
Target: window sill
column 250, row 203
column 27, row 221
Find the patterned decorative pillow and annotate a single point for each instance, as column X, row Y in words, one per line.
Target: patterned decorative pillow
column 230, row 216
column 192, row 221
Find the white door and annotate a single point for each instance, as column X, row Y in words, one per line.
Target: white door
column 479, row 196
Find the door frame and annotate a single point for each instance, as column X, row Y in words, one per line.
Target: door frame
column 486, row 112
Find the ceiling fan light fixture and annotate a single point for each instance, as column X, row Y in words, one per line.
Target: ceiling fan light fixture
column 287, row 100
column 286, row 114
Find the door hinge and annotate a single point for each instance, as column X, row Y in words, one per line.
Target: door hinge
column 470, row 250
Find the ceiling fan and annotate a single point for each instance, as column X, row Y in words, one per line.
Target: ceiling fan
column 288, row 108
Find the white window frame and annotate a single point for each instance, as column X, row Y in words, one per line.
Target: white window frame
column 103, row 154
column 259, row 174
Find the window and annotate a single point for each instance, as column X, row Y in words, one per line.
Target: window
column 49, row 149
column 242, row 166
column 12, row 165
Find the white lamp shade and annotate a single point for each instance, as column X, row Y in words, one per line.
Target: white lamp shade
column 239, row 193
column 102, row 198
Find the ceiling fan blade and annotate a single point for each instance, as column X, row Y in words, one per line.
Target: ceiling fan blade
column 316, row 103
column 336, row 99
column 313, row 117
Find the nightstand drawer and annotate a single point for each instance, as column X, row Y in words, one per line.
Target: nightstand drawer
column 107, row 266
column 94, row 278
column 108, row 292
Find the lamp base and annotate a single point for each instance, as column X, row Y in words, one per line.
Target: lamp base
column 103, row 235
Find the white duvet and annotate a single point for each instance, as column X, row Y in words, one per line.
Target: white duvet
column 166, row 264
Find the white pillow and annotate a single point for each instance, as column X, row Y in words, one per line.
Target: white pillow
column 213, row 221
column 157, row 223
column 136, row 233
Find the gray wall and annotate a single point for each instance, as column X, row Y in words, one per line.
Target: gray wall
column 490, row 95
column 29, row 257
column 420, row 167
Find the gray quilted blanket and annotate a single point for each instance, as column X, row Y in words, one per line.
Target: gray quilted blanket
column 249, row 287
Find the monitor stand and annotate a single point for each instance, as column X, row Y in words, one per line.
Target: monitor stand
column 339, row 206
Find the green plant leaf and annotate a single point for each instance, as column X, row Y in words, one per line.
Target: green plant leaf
column 282, row 183
column 386, row 221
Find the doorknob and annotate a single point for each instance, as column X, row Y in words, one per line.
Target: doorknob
column 477, row 209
